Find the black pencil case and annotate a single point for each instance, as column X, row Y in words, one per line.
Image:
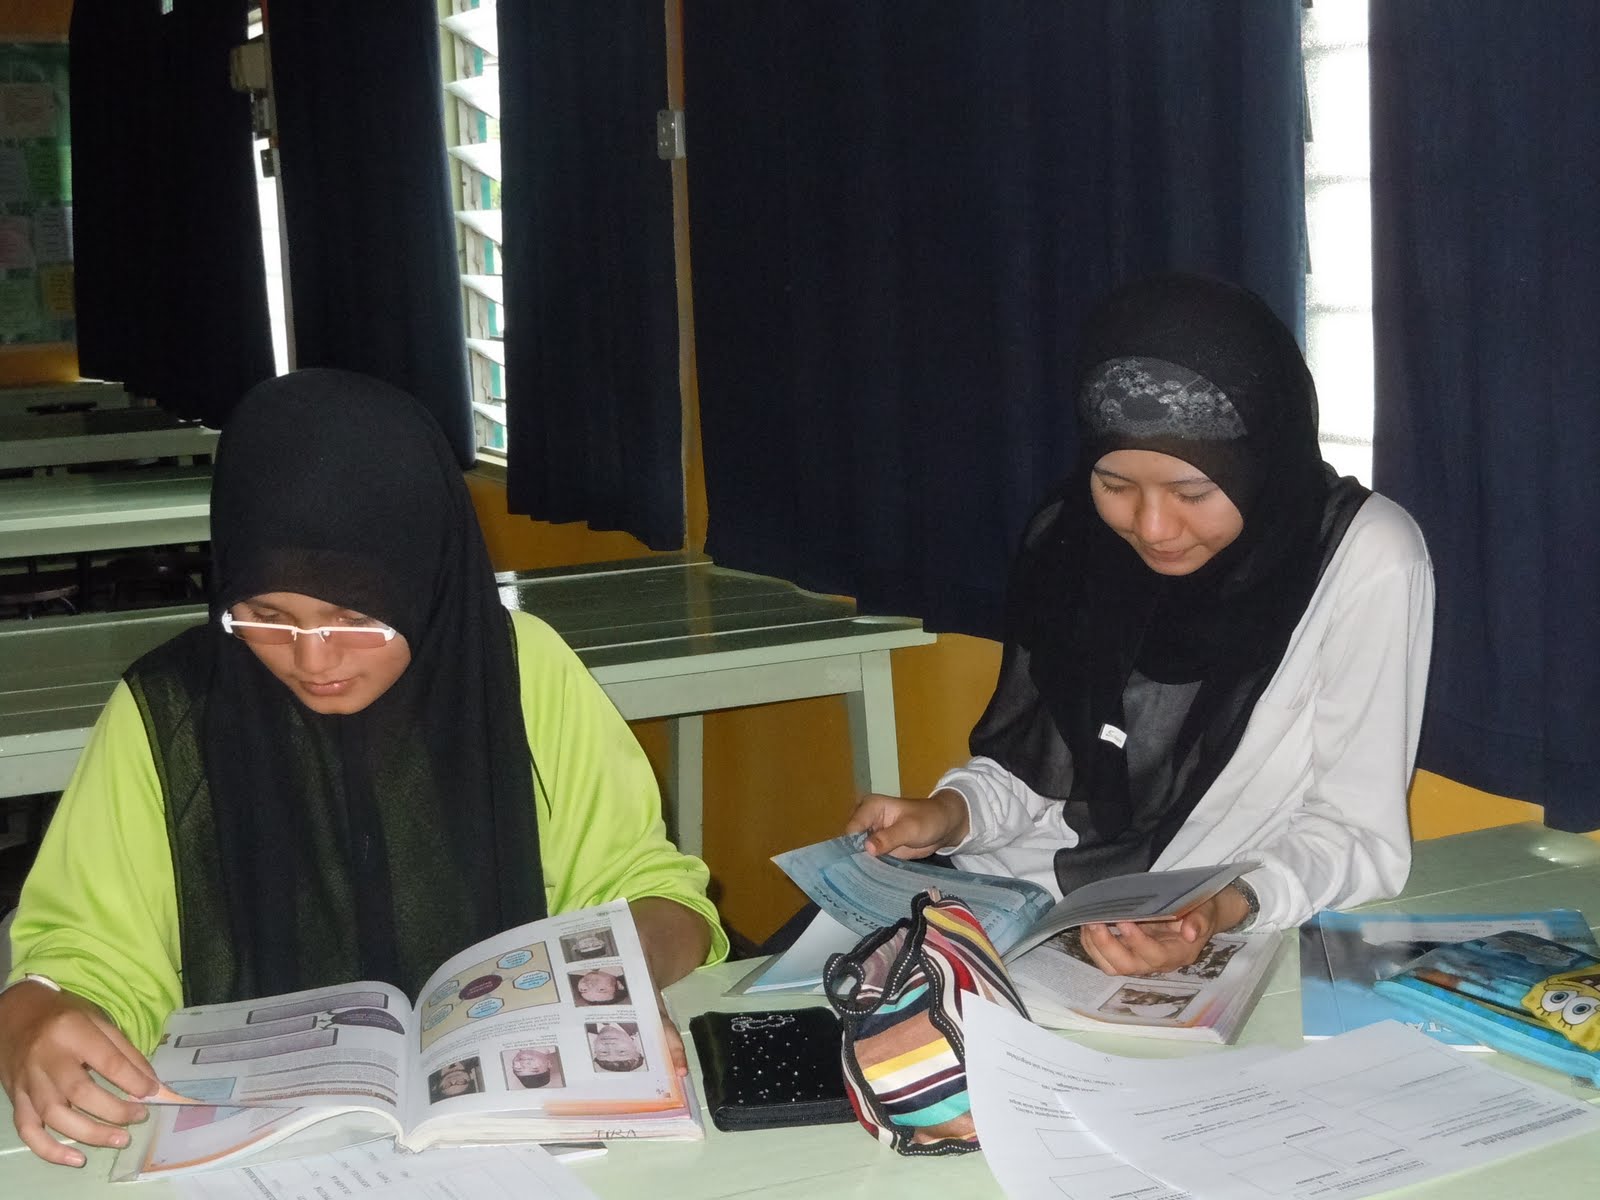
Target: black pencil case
column 765, row 1070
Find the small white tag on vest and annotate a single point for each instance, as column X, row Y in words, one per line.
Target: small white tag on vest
column 1110, row 733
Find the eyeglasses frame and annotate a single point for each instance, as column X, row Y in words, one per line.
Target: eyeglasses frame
column 325, row 632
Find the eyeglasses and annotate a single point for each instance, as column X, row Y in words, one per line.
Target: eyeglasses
column 344, row 637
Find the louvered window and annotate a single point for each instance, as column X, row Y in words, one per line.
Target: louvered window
column 472, row 128
column 1339, row 219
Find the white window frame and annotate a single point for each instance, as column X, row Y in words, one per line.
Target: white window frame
column 468, row 46
column 1338, row 184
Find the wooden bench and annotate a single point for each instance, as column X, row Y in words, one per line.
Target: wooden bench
column 670, row 637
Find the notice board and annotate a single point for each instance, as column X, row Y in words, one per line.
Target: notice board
column 36, row 284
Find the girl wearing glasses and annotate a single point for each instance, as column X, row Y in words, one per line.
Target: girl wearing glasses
column 361, row 764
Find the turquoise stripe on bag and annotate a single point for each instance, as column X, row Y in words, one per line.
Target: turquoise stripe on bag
column 909, row 1000
column 936, row 1114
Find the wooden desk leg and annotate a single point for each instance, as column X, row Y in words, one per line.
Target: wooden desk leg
column 686, row 737
column 874, row 746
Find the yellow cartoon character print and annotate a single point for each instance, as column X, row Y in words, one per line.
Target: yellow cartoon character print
column 1568, row 1003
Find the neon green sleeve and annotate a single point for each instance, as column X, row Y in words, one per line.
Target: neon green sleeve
column 98, row 912
column 601, row 835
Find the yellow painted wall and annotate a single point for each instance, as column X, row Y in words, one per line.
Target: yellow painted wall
column 34, row 20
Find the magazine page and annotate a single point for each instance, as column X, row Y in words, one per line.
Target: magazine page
column 1206, row 1000
column 1343, row 954
column 866, row 894
column 548, row 1030
column 346, row 1046
column 1515, row 992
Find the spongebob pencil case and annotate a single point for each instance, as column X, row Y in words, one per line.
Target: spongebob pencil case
column 1515, row 992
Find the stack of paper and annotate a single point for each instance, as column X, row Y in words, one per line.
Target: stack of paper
column 1368, row 1111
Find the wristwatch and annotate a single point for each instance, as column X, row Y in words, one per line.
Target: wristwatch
column 1252, row 905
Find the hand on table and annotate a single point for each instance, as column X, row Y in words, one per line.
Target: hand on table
column 680, row 1056
column 1155, row 947
column 49, row 1041
column 910, row 827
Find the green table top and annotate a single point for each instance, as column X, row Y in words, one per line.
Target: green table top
column 100, row 435
column 109, row 510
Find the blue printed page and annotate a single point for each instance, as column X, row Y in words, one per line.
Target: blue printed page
column 1343, row 954
column 866, row 894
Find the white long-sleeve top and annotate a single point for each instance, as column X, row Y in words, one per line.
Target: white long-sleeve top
column 1316, row 790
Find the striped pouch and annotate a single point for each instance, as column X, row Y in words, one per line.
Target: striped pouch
column 899, row 994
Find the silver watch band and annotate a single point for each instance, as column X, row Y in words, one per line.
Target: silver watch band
column 1252, row 904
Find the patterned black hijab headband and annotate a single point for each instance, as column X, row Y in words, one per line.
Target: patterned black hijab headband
column 1145, row 403
column 1151, row 399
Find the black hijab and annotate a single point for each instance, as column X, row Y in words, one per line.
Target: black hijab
column 1203, row 371
column 311, row 849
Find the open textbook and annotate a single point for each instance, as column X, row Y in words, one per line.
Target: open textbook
column 1038, row 937
column 547, row 1032
column 1208, row 1000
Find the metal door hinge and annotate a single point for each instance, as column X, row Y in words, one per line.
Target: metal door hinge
column 669, row 134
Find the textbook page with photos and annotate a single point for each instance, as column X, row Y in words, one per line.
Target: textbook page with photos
column 548, row 1032
column 1207, row 1001
column 859, row 893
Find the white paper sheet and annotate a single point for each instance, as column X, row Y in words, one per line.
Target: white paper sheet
column 1025, row 1083
column 1368, row 1111
column 377, row 1171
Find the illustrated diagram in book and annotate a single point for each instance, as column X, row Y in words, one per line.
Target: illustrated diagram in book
column 589, row 943
column 615, row 1046
column 533, row 1067
column 516, row 980
column 292, row 1027
column 1163, row 997
column 1212, row 961
column 1163, row 1002
column 598, row 986
column 461, row 1078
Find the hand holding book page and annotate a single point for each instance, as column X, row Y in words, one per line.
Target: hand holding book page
column 549, row 1031
column 1208, row 1001
column 859, row 893
column 868, row 893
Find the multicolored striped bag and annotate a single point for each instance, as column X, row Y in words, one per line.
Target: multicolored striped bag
column 900, row 994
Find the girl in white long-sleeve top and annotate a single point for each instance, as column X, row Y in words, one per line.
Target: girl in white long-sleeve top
column 1216, row 650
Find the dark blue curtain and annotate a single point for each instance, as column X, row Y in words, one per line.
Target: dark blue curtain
column 1486, row 299
column 901, row 211
column 171, row 290
column 374, row 280
column 594, row 413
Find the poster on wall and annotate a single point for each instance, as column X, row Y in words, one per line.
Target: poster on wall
column 36, row 292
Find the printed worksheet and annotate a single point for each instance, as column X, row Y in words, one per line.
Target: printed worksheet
column 1371, row 1110
column 378, row 1171
column 1025, row 1083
